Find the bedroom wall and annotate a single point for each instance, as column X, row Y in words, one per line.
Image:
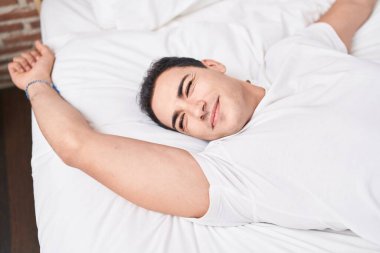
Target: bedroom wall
column 18, row 229
column 19, row 27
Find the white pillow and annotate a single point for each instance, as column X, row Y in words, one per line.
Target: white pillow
column 137, row 15
column 105, row 90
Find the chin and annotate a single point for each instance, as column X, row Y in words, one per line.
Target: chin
column 233, row 130
column 210, row 138
column 221, row 135
column 227, row 132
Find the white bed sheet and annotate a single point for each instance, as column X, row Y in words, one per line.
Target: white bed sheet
column 99, row 72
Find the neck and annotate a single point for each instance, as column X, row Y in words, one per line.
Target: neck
column 253, row 95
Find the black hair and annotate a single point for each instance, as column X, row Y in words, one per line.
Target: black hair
column 148, row 85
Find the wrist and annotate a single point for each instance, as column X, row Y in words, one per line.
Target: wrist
column 35, row 89
column 40, row 85
column 33, row 79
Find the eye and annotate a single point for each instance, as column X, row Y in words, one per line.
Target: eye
column 188, row 88
column 181, row 122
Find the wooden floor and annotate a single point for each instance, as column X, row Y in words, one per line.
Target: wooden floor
column 18, row 231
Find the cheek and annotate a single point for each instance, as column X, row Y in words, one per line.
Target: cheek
column 200, row 92
column 231, row 115
column 195, row 126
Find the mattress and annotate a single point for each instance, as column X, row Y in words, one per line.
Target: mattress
column 103, row 49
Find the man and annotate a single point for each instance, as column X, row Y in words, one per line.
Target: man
column 203, row 118
column 289, row 155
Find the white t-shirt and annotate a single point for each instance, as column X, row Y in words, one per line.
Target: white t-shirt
column 310, row 156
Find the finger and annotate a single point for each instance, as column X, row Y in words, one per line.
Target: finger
column 29, row 58
column 41, row 48
column 12, row 68
column 19, row 67
column 23, row 62
column 15, row 67
column 35, row 54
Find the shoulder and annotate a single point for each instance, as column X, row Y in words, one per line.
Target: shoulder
column 318, row 35
column 316, row 41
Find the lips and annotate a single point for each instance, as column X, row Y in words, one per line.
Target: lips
column 214, row 114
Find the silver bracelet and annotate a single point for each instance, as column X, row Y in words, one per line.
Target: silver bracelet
column 39, row 81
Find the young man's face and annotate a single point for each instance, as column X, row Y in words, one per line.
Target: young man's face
column 202, row 102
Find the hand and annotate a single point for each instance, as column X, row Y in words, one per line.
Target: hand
column 35, row 64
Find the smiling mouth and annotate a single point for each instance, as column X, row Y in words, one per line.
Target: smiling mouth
column 214, row 114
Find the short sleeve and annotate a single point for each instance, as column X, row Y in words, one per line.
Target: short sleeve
column 230, row 204
column 322, row 35
column 317, row 40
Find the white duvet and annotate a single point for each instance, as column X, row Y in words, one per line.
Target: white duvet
column 103, row 49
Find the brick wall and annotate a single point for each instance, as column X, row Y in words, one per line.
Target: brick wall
column 19, row 28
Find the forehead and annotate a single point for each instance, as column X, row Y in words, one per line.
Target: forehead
column 172, row 74
column 165, row 92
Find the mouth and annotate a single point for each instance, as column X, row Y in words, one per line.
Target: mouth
column 215, row 114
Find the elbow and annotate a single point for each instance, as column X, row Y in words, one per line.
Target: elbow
column 67, row 154
column 70, row 149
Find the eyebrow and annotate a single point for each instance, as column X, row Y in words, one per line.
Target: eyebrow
column 179, row 95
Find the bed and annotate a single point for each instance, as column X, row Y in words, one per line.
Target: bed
column 102, row 51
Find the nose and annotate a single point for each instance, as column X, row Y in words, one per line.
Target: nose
column 197, row 109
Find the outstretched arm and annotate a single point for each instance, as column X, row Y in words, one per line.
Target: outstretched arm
column 347, row 16
column 153, row 176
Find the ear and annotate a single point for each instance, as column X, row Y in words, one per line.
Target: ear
column 211, row 64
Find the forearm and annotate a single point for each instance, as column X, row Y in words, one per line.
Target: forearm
column 347, row 16
column 61, row 124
